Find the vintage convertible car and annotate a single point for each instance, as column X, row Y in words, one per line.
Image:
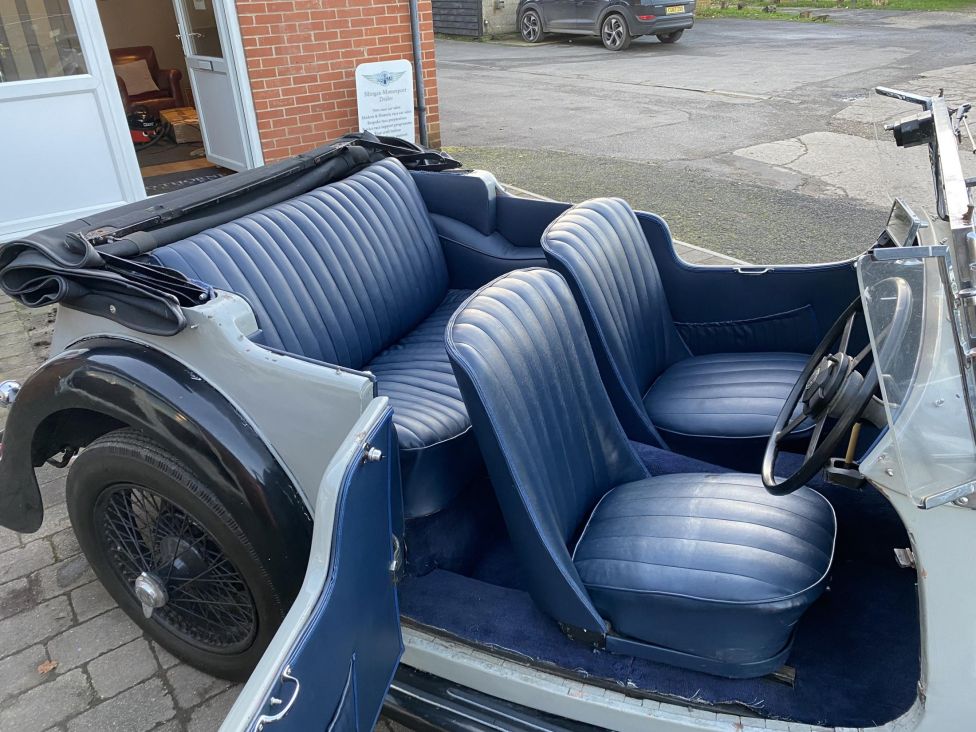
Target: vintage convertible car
column 366, row 429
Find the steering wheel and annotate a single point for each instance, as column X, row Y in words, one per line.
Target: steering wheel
column 832, row 387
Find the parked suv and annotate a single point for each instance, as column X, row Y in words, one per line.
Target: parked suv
column 616, row 22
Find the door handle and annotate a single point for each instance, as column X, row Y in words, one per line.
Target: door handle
column 275, row 701
column 751, row 270
column 189, row 35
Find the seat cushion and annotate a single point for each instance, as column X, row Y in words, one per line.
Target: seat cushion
column 731, row 395
column 337, row 274
column 436, row 442
column 710, row 565
column 722, row 407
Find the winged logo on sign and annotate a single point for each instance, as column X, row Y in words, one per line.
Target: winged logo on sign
column 384, row 78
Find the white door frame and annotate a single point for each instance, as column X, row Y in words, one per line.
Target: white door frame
column 99, row 82
column 232, row 45
column 230, row 30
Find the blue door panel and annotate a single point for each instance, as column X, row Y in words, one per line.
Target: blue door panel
column 811, row 295
column 346, row 718
column 346, row 657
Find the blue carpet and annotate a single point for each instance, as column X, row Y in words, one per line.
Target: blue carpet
column 856, row 652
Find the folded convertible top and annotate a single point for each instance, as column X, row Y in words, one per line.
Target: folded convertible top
column 89, row 264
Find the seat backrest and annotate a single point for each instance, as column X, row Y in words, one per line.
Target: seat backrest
column 599, row 247
column 544, row 423
column 337, row 274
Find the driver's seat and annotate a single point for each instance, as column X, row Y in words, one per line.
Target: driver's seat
column 702, row 571
column 719, row 407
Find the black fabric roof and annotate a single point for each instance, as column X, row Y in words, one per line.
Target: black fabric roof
column 90, row 264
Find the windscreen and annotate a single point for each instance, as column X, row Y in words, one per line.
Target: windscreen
column 915, row 350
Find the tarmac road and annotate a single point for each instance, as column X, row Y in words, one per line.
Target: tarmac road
column 758, row 139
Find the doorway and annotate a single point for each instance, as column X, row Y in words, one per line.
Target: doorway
column 189, row 115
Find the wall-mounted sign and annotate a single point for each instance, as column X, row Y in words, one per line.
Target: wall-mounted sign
column 384, row 95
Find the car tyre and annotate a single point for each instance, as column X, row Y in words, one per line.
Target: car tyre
column 614, row 33
column 670, row 37
column 530, row 26
column 142, row 516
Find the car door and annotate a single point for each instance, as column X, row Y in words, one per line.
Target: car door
column 334, row 656
column 559, row 15
column 588, row 13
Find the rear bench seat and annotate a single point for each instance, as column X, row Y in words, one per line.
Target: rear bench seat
column 353, row 274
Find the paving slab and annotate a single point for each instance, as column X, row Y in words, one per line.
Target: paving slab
column 122, row 668
column 137, row 710
column 18, row 672
column 87, row 641
column 35, row 625
column 45, row 705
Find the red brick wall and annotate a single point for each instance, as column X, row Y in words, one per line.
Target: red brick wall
column 302, row 56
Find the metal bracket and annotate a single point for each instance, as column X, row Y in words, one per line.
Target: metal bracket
column 905, row 557
column 958, row 495
column 66, row 457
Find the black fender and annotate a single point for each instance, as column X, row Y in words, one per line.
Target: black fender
column 102, row 384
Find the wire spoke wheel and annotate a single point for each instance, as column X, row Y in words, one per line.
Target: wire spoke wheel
column 176, row 568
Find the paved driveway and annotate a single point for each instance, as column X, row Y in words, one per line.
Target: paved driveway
column 759, row 139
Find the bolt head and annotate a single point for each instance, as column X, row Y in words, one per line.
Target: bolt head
column 8, row 392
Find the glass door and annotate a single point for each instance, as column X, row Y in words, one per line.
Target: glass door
column 218, row 101
column 66, row 148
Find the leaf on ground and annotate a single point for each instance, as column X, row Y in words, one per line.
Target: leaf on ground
column 47, row 667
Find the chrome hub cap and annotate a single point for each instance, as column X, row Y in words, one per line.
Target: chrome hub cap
column 150, row 592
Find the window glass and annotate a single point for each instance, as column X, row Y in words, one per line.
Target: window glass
column 201, row 24
column 38, row 40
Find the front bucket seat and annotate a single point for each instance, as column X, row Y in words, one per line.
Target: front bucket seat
column 703, row 571
column 719, row 407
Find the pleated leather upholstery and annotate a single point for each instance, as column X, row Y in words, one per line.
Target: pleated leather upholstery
column 437, row 446
column 704, row 571
column 724, row 394
column 703, row 406
column 599, row 247
column 337, row 274
column 712, row 559
column 416, row 375
column 544, row 424
column 353, row 274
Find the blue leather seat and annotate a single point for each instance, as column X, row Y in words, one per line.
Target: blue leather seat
column 718, row 407
column 703, row 571
column 353, row 274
